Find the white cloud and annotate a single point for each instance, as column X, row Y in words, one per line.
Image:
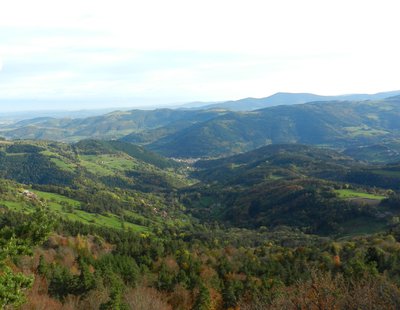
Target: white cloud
column 196, row 50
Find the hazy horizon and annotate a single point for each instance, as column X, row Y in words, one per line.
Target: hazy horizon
column 26, row 106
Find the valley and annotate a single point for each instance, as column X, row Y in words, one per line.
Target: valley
column 203, row 209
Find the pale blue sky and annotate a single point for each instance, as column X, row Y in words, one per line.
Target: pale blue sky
column 95, row 54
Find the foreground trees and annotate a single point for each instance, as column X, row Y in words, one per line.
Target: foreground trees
column 18, row 239
column 84, row 272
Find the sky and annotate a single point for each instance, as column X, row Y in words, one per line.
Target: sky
column 94, row 54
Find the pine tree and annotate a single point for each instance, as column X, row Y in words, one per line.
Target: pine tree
column 42, row 267
column 87, row 280
column 203, row 299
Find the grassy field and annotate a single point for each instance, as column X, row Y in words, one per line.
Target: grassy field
column 348, row 193
column 15, row 205
column 114, row 164
column 364, row 131
column 107, row 164
column 69, row 209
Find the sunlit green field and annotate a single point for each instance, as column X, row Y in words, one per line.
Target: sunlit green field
column 348, row 193
column 107, row 164
column 69, row 209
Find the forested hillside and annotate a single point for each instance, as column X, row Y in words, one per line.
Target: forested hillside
column 337, row 124
column 216, row 132
column 110, row 225
column 109, row 126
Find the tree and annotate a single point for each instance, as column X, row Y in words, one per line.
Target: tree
column 166, row 279
column 86, row 279
column 42, row 266
column 116, row 290
column 62, row 283
column 203, row 299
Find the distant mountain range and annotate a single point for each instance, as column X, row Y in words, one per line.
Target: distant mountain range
column 217, row 132
column 108, row 126
column 249, row 104
column 336, row 123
